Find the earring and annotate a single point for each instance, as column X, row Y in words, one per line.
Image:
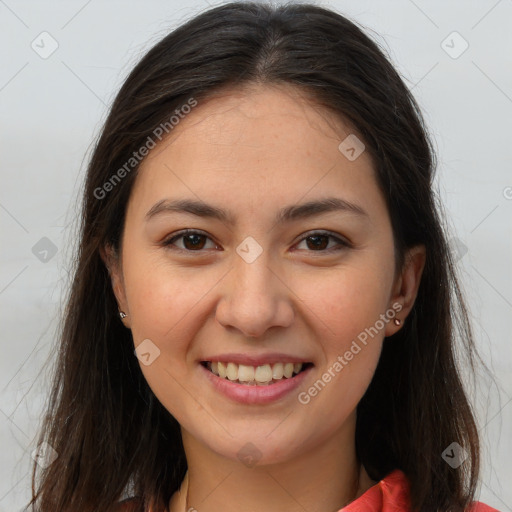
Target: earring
column 397, row 321
column 122, row 314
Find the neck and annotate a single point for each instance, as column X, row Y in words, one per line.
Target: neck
column 324, row 479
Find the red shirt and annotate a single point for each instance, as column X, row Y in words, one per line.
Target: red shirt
column 391, row 494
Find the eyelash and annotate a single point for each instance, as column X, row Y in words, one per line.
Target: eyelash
column 342, row 244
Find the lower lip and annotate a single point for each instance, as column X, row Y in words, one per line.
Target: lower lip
column 246, row 394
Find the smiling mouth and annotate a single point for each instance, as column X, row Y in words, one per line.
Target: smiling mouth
column 264, row 375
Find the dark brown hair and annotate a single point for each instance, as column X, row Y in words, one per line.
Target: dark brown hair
column 112, row 436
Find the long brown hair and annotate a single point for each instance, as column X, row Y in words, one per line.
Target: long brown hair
column 112, row 436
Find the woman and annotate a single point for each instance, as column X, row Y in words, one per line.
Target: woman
column 261, row 313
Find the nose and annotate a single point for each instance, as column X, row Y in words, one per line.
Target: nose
column 254, row 298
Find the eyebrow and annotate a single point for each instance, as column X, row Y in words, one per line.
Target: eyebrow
column 286, row 214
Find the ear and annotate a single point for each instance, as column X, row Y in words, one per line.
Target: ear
column 405, row 288
column 113, row 263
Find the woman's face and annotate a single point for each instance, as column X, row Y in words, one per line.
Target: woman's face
column 269, row 280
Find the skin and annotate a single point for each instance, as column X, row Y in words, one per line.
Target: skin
column 253, row 151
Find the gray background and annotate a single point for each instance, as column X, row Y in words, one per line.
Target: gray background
column 52, row 108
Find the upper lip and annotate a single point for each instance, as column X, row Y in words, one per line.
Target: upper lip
column 255, row 359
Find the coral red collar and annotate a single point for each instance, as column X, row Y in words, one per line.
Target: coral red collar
column 391, row 494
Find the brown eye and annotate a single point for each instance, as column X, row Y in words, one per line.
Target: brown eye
column 196, row 241
column 192, row 241
column 319, row 241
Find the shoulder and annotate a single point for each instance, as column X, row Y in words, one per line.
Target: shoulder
column 478, row 506
column 130, row 505
column 392, row 493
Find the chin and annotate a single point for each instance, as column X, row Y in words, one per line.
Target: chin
column 256, row 448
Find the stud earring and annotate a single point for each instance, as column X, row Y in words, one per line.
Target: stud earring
column 397, row 321
column 122, row 314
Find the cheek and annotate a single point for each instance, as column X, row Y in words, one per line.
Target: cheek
column 333, row 396
column 346, row 314
column 165, row 307
column 345, row 309
column 163, row 298
column 344, row 302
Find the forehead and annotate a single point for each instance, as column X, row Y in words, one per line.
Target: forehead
column 256, row 144
column 261, row 120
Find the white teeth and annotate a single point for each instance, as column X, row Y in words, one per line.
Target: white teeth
column 277, row 371
column 288, row 370
column 232, row 371
column 259, row 375
column 245, row 373
column 222, row 370
column 263, row 373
